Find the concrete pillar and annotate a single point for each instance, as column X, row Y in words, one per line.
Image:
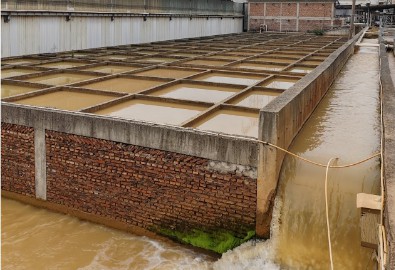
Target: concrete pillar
column 40, row 163
column 268, row 171
column 297, row 17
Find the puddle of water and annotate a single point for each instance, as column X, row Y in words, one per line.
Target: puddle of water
column 275, row 60
column 66, row 100
column 152, row 111
column 231, row 122
column 112, row 69
column 167, row 73
column 21, row 61
column 224, row 56
column 157, row 60
column 253, row 66
column 124, row 85
column 279, row 83
column 310, row 62
column 34, row 238
column 113, row 57
column 217, row 77
column 62, row 64
column 256, row 99
column 60, row 78
column 9, row 90
column 12, row 72
column 196, row 92
column 207, row 62
column 304, row 70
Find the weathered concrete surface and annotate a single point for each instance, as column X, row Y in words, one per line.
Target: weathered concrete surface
column 388, row 103
column 40, row 163
column 241, row 151
column 280, row 122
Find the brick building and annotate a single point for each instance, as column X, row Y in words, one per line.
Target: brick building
column 291, row 16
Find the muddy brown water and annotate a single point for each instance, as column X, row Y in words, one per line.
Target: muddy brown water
column 65, row 100
column 256, row 99
column 152, row 111
column 241, row 79
column 231, row 122
column 124, row 85
column 196, row 92
column 279, row 83
column 7, row 73
column 253, row 66
column 207, row 62
column 34, row 238
column 9, row 90
column 167, row 73
column 63, row 64
column 60, row 78
column 20, row 61
column 112, row 69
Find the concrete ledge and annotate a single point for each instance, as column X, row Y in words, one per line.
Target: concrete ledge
column 388, row 104
column 236, row 150
column 281, row 120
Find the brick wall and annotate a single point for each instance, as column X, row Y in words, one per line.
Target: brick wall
column 17, row 159
column 290, row 16
column 315, row 9
column 146, row 187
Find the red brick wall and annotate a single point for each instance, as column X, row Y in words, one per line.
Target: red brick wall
column 273, row 9
column 146, row 187
column 287, row 13
column 17, row 159
column 289, row 9
column 255, row 24
column 257, row 9
column 288, row 25
column 305, row 25
column 315, row 9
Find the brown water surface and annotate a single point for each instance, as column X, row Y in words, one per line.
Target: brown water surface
column 217, row 77
column 259, row 66
column 62, row 64
column 297, row 69
column 152, row 111
column 20, row 61
column 34, row 238
column 9, row 90
column 60, row 78
column 66, row 100
column 231, row 122
column 124, row 85
column 279, row 83
column 12, row 72
column 167, row 73
column 112, row 69
column 256, row 99
column 196, row 92
column 207, row 62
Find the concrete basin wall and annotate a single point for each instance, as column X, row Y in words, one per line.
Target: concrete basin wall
column 388, row 106
column 280, row 122
column 125, row 173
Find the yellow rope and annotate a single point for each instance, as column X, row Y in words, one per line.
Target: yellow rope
column 316, row 163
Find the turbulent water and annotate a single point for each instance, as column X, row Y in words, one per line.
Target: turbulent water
column 346, row 125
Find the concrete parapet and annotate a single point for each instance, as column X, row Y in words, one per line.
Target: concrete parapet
column 388, row 107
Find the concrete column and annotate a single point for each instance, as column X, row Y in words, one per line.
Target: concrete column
column 40, row 163
column 297, row 17
column 268, row 171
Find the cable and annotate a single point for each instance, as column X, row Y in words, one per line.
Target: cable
column 320, row 164
column 327, row 211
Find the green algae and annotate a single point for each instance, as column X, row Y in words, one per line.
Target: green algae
column 218, row 241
